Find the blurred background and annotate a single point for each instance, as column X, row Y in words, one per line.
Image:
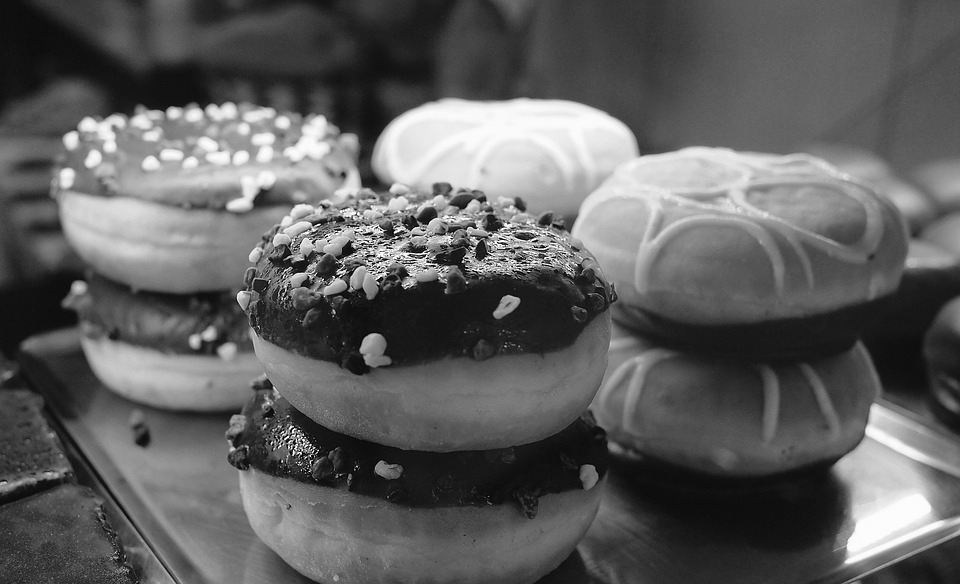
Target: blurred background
column 873, row 85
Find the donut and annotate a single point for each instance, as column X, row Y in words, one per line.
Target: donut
column 710, row 417
column 779, row 257
column 166, row 200
column 550, row 153
column 441, row 321
column 338, row 509
column 941, row 344
column 169, row 351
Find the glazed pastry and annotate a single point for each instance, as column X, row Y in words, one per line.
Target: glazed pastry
column 550, row 153
column 437, row 322
column 775, row 257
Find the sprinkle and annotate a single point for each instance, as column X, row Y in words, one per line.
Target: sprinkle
column 150, row 163
column 229, row 110
column 193, row 115
column 297, row 228
column 174, row 112
column 473, row 206
column 374, row 361
column 208, row 144
column 263, row 139
column 243, row 128
column 93, row 159
column 195, row 342
column 302, row 210
column 152, row 135
column 281, row 239
column 294, row 154
column 399, row 189
column 227, row 351
column 71, row 140
column 66, row 177
column 588, row 476
column 248, row 187
column 477, row 232
column 87, row 124
column 109, row 146
column 266, row 179
column 243, row 299
column 507, row 305
column 388, row 471
column 171, row 155
column 240, row 205
column 213, row 111
column 220, row 158
column 240, row 157
column 141, row 122
column 335, row 287
column 373, row 215
column 428, row 275
column 190, row 162
column 373, row 344
column 356, row 279
column 255, row 255
column 436, row 227
column 286, row 221
column 370, row 286
column 297, row 280
column 115, row 121
column 306, row 247
column 209, row 334
column 265, row 154
column 78, row 288
column 282, row 122
column 398, row 204
column 333, row 249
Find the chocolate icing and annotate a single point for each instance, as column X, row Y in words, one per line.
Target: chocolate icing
column 273, row 437
column 143, row 156
column 437, row 266
column 161, row 321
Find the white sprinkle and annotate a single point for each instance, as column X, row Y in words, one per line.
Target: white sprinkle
column 243, row 299
column 248, row 187
column 71, row 140
column 372, row 214
column 221, row 158
column 109, row 146
column 243, row 128
column 227, row 351
column 316, row 126
column 213, row 111
column 297, row 228
column 150, row 163
column 266, row 179
column 87, row 124
column 281, row 239
column 350, row 234
column 195, row 342
column 507, row 305
column 356, row 280
column 241, row 205
column 174, row 112
column 297, row 280
column 439, row 203
column 375, row 361
column 282, row 122
column 152, row 135
column 193, row 115
column 118, row 121
column 475, row 232
column 78, row 288
column 171, row 155
column 388, row 471
column 263, row 139
column 522, row 218
column 398, row 204
column 306, row 247
column 428, row 275
column 370, row 286
column 265, row 154
column 399, row 189
column 255, row 255
column 588, row 476
column 66, row 177
column 293, row 154
column 436, row 226
column 333, row 249
column 209, row 334
column 141, row 122
column 240, row 157
column 336, row 287
column 190, row 162
column 373, row 344
column 229, row 110
column 473, row 206
column 302, row 210
column 93, row 159
column 208, row 144
column 286, row 221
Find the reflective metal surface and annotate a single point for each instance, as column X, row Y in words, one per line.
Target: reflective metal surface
column 897, row 494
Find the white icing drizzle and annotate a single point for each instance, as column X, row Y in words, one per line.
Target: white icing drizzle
column 637, row 368
column 771, row 402
column 823, row 399
column 490, row 125
column 726, row 204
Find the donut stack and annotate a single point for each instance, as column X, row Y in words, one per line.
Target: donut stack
column 430, row 359
column 744, row 282
column 161, row 206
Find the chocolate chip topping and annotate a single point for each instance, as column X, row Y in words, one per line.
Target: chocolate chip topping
column 425, row 274
column 286, row 443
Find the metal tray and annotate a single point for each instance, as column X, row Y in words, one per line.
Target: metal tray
column 895, row 495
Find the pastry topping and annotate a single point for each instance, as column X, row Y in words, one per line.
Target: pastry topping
column 227, row 351
column 138, row 424
column 391, row 472
column 238, row 423
column 588, row 476
column 507, row 305
column 150, row 163
column 66, row 177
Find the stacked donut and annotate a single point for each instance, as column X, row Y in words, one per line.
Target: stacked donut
column 744, row 280
column 430, row 359
column 549, row 152
column 161, row 206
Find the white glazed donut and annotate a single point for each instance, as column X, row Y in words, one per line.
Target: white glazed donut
column 551, row 153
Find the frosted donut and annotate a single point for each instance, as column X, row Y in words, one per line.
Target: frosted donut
column 779, row 256
column 551, row 153
column 174, row 352
column 723, row 418
column 166, row 200
column 432, row 322
column 341, row 510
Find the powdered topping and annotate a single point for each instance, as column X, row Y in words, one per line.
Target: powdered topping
column 275, row 157
column 446, row 273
